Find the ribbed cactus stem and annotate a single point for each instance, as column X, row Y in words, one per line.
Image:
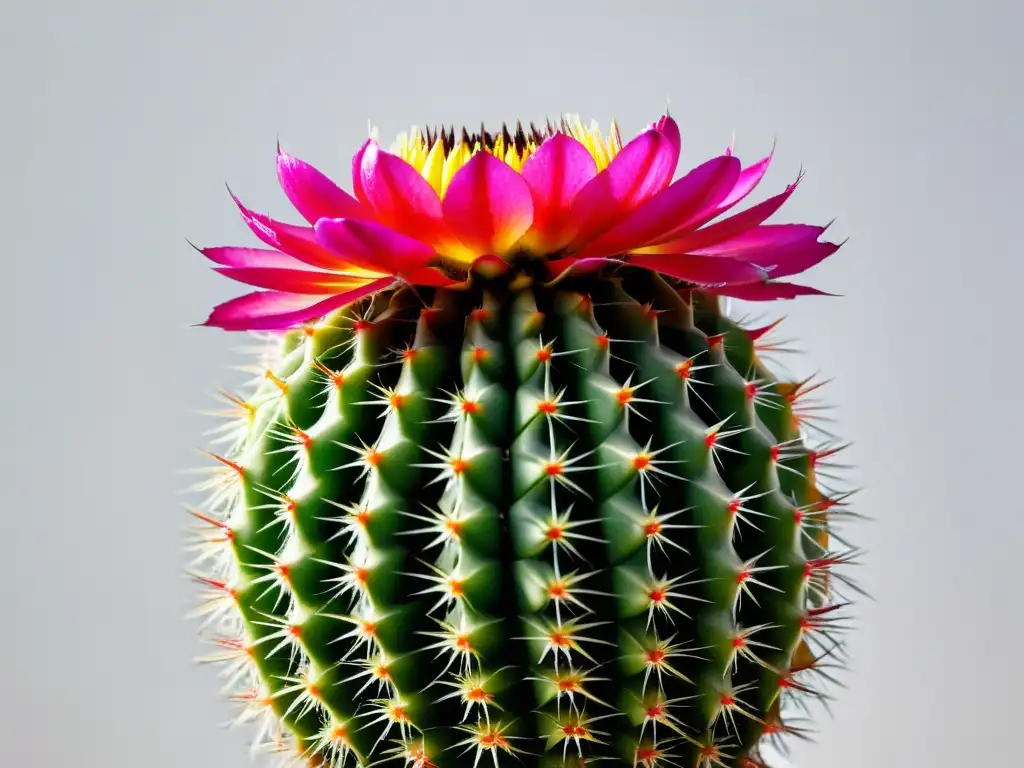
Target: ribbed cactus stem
column 524, row 523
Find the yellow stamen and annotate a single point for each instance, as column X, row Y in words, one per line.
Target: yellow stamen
column 438, row 167
column 433, row 166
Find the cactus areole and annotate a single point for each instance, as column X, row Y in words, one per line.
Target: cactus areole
column 510, row 487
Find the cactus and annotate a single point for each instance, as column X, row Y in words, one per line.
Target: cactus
column 512, row 507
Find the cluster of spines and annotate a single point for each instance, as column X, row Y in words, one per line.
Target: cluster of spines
column 625, row 419
column 473, row 635
column 558, row 587
column 289, row 589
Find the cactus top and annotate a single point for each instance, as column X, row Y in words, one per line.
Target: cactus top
column 439, row 206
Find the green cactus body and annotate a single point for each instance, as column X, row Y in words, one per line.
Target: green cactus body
column 524, row 523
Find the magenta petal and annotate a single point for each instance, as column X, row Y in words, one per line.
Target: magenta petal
column 559, row 169
column 357, row 172
column 788, row 259
column 229, row 256
column 741, row 184
column 783, row 249
column 767, row 291
column 703, row 270
column 726, row 228
column 272, row 310
column 555, row 173
column 643, row 167
column 292, row 280
column 639, row 171
column 488, row 205
column 745, row 183
column 429, row 276
column 748, row 179
column 701, row 188
column 401, row 198
column 313, row 194
column 299, row 242
column 668, row 128
column 372, row 246
column 764, row 236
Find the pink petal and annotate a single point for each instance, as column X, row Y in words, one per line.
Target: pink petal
column 299, row 242
column 742, row 184
column 701, row 188
column 749, row 178
column 488, row 205
column 559, row 168
column 272, row 310
column 357, row 172
column 645, row 165
column 721, row 230
column 703, row 270
column 229, row 256
column 401, row 198
column 431, row 277
column 293, row 280
column 788, row 259
column 555, row 173
column 372, row 246
column 668, row 128
column 767, row 291
column 639, row 171
column 313, row 194
column 764, row 236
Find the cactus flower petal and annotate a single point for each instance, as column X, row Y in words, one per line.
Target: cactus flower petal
column 725, row 229
column 273, row 310
column 372, row 246
column 642, row 169
column 704, row 270
column 231, row 256
column 314, row 195
column 431, row 277
column 769, row 291
column 555, row 173
column 700, row 189
column 748, row 180
column 787, row 258
column 762, row 237
column 294, row 280
column 357, row 171
column 667, row 127
column 401, row 199
column 488, row 205
column 299, row 242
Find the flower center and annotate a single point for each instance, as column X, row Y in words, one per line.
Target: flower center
column 438, row 153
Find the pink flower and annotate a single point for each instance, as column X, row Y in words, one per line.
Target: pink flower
column 427, row 211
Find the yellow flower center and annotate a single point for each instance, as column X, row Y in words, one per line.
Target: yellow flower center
column 438, row 155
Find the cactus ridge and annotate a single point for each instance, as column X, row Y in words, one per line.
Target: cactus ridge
column 523, row 523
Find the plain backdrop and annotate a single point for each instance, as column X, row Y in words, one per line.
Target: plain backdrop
column 123, row 119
